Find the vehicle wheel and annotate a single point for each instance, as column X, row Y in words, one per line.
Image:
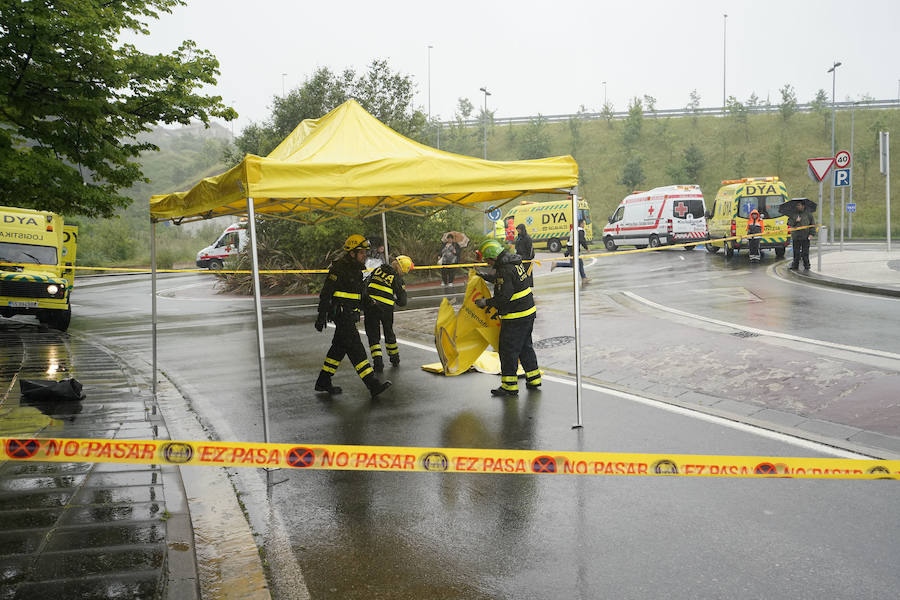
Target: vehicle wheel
column 215, row 264
column 711, row 248
column 729, row 250
column 610, row 244
column 58, row 319
column 654, row 241
column 554, row 245
column 689, row 248
column 779, row 252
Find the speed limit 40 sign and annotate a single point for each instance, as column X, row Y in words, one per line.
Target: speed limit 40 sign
column 842, row 159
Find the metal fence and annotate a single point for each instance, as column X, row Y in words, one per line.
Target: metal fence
column 677, row 112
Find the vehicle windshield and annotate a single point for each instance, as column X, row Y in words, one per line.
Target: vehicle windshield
column 766, row 205
column 684, row 209
column 27, row 253
column 584, row 214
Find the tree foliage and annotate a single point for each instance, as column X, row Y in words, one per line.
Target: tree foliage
column 632, row 175
column 73, row 100
column 535, row 139
column 632, row 131
column 788, row 105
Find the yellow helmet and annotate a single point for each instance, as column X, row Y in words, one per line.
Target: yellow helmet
column 356, row 242
column 405, row 262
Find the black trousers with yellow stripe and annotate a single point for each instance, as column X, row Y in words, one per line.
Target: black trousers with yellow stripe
column 515, row 346
column 380, row 318
column 346, row 342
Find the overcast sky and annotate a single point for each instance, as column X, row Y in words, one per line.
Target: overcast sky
column 546, row 57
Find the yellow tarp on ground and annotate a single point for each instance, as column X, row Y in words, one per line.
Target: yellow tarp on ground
column 348, row 163
column 461, row 337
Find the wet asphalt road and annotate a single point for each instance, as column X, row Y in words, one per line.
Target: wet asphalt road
column 423, row 535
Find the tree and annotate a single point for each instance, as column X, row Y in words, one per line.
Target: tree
column 535, row 139
column 687, row 170
column 738, row 113
column 694, row 104
column 608, row 112
column 633, row 123
column 632, row 175
column 788, row 105
column 386, row 94
column 73, row 100
column 650, row 103
column 820, row 107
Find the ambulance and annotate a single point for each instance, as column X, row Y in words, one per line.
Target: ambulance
column 547, row 222
column 232, row 241
column 37, row 259
column 673, row 214
column 734, row 202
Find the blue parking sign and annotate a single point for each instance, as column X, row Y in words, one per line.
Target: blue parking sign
column 841, row 177
column 851, row 207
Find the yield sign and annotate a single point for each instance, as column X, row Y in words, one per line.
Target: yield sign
column 819, row 167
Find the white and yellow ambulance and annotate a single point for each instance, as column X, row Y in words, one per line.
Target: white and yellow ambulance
column 37, row 256
column 734, row 202
column 547, row 223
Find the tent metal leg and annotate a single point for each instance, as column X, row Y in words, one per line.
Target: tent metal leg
column 576, row 276
column 153, row 298
column 259, row 324
column 384, row 237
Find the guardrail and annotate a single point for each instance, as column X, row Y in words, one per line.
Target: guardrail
column 675, row 112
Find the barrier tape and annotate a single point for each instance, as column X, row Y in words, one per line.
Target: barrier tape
column 417, row 267
column 446, row 460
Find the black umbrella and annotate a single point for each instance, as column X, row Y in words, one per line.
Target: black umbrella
column 790, row 207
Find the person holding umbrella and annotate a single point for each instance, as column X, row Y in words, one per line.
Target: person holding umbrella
column 802, row 224
column 450, row 253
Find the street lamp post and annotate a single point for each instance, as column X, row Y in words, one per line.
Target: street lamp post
column 429, row 81
column 604, row 95
column 484, row 147
column 833, row 71
column 724, row 38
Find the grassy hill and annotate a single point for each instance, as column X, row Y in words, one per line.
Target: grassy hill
column 730, row 148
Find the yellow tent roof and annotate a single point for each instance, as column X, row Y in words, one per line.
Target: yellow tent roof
column 348, row 163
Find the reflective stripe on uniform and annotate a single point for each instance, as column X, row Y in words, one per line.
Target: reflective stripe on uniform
column 382, row 300
column 521, row 294
column 331, row 361
column 347, row 295
column 362, row 364
column 364, row 372
column 520, row 314
column 509, row 379
column 392, row 349
column 512, row 387
column 329, row 369
column 531, row 374
column 383, row 288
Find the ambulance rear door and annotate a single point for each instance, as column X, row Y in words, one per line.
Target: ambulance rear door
column 688, row 218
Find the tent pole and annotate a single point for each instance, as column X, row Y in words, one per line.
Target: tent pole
column 384, row 237
column 576, row 276
column 259, row 324
column 153, row 297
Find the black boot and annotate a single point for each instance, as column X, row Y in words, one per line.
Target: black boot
column 378, row 364
column 395, row 360
column 376, row 387
column 504, row 393
column 323, row 384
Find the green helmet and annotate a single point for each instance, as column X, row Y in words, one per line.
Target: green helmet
column 491, row 249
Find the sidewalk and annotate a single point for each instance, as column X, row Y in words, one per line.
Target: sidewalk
column 81, row 530
column 872, row 271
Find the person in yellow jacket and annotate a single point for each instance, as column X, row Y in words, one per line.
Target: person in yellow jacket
column 514, row 301
column 340, row 301
column 755, row 225
column 384, row 291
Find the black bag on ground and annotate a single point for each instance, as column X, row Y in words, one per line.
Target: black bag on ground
column 43, row 390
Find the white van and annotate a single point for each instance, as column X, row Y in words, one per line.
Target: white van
column 233, row 240
column 673, row 214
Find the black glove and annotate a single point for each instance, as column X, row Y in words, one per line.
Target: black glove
column 481, row 302
column 320, row 322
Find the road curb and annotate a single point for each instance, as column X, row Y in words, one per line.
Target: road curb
column 828, row 281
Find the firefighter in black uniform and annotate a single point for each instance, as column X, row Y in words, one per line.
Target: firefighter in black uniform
column 340, row 301
column 514, row 302
column 384, row 290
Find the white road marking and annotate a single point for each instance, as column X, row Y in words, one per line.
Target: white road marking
column 775, row 334
column 687, row 412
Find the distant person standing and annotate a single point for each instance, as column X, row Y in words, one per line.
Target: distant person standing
column 800, row 237
column 450, row 253
column 755, row 226
column 525, row 249
column 384, row 291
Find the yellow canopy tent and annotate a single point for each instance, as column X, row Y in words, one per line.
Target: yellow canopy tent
column 348, row 163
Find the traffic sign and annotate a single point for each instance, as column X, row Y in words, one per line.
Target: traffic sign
column 841, row 177
column 851, row 207
column 842, row 159
column 494, row 215
column 819, row 167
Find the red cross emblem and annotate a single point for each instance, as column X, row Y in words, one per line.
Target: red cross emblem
column 650, row 210
column 681, row 209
